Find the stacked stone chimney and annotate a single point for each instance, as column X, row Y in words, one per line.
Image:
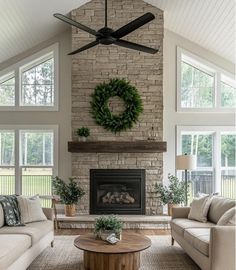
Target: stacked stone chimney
column 145, row 71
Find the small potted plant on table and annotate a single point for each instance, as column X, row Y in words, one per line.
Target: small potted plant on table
column 173, row 194
column 69, row 193
column 83, row 133
column 106, row 225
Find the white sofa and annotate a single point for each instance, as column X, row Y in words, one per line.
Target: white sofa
column 211, row 246
column 19, row 246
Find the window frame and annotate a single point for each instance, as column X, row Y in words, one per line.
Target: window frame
column 27, row 63
column 208, row 68
column 216, row 159
column 17, row 148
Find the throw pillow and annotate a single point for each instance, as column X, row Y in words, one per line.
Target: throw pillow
column 199, row 208
column 11, row 210
column 30, row 208
column 228, row 218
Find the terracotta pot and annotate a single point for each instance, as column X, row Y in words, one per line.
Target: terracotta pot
column 170, row 206
column 70, row 210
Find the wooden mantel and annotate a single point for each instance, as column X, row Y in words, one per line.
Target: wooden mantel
column 117, row 147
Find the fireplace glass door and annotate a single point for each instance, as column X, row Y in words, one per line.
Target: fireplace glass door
column 117, row 191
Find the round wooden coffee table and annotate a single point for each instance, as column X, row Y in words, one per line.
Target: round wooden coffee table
column 100, row 255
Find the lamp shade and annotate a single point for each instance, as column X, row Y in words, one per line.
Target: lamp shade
column 186, row 162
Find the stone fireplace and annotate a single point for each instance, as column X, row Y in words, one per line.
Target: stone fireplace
column 145, row 71
column 117, row 191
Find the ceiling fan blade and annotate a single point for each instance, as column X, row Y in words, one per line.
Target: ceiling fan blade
column 135, row 24
column 135, row 46
column 76, row 24
column 88, row 46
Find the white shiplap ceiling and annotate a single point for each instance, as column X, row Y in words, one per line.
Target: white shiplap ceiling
column 209, row 23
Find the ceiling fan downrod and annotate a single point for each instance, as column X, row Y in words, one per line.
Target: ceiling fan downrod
column 105, row 13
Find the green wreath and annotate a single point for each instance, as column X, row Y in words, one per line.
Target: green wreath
column 99, row 104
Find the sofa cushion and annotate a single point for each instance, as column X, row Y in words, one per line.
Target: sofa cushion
column 12, row 247
column 36, row 230
column 199, row 238
column 1, row 216
column 218, row 207
column 180, row 224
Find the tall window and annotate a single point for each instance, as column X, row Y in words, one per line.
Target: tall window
column 32, row 84
column 215, row 151
column 7, row 162
column 198, row 85
column 228, row 164
column 28, row 160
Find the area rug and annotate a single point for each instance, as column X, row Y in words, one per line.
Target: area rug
column 160, row 256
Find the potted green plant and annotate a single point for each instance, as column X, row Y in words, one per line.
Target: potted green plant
column 105, row 225
column 173, row 194
column 83, row 133
column 69, row 193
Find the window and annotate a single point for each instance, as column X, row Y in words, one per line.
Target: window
column 28, row 160
column 215, row 151
column 36, row 148
column 198, row 85
column 37, row 87
column 7, row 90
column 33, row 84
column 228, row 92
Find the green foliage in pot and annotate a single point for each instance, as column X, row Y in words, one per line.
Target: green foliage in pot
column 69, row 192
column 174, row 193
column 83, row 132
column 109, row 223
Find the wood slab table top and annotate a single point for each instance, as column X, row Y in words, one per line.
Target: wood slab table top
column 130, row 243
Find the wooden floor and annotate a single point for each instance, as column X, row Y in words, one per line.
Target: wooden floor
column 84, row 231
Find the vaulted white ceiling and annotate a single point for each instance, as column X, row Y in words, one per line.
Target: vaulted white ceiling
column 209, row 23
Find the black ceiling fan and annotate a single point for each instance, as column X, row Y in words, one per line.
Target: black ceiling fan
column 108, row 36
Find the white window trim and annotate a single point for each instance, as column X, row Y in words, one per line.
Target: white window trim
column 7, row 77
column 19, row 67
column 18, row 167
column 217, row 130
column 209, row 68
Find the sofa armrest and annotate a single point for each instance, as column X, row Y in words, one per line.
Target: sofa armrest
column 48, row 212
column 222, row 247
column 180, row 212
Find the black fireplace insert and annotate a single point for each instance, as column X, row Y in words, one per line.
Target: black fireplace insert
column 117, row 191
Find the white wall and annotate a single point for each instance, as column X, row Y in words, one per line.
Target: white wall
column 173, row 118
column 62, row 118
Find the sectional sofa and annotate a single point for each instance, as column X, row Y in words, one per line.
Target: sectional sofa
column 19, row 246
column 210, row 245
